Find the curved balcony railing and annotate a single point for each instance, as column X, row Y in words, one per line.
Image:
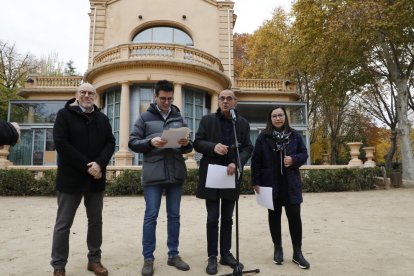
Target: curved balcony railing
column 264, row 84
column 59, row 81
column 158, row 51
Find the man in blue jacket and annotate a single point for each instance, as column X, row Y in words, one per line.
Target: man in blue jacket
column 163, row 170
column 85, row 144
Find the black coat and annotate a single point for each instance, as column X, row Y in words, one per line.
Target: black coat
column 264, row 168
column 79, row 140
column 207, row 136
column 8, row 134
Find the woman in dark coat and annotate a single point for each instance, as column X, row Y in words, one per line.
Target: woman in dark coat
column 277, row 156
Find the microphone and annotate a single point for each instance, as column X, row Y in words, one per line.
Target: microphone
column 233, row 114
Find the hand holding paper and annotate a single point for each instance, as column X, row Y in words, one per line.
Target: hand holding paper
column 175, row 136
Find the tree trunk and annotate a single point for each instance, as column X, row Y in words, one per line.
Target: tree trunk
column 391, row 152
column 404, row 128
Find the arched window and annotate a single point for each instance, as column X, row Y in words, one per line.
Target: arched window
column 163, row 34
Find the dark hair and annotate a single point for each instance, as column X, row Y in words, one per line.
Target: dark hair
column 269, row 126
column 163, row 85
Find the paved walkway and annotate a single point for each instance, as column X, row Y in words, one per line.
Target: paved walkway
column 349, row 233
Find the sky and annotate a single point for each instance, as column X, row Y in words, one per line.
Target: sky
column 62, row 26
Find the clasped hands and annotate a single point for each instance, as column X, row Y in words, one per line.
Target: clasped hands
column 95, row 170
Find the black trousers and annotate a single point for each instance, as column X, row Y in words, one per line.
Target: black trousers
column 226, row 223
column 295, row 224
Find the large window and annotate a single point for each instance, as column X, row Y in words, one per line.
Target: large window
column 163, row 34
column 195, row 102
column 34, row 112
column 36, row 148
column 112, row 109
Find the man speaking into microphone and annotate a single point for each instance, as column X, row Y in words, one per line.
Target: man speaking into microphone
column 215, row 140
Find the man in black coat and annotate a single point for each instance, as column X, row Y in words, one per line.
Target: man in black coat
column 9, row 133
column 85, row 144
column 215, row 140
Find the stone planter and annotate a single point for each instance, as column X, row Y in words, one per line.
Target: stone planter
column 355, row 161
column 325, row 159
column 369, row 153
column 4, row 152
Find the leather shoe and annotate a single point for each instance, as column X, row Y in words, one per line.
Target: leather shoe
column 278, row 255
column 98, row 269
column 148, row 268
column 178, row 263
column 211, row 268
column 230, row 261
column 59, row 272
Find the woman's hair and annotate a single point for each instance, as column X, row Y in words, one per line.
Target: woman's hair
column 269, row 126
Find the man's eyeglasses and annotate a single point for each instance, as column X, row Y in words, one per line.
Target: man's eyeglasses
column 90, row 93
column 170, row 99
column 278, row 116
column 228, row 98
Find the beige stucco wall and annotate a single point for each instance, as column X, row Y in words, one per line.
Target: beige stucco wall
column 208, row 22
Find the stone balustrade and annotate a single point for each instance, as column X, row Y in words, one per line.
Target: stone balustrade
column 263, row 84
column 158, row 51
column 57, row 82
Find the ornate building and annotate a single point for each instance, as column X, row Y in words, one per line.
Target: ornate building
column 132, row 45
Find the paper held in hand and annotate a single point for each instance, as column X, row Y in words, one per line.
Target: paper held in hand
column 173, row 135
column 265, row 197
column 217, row 178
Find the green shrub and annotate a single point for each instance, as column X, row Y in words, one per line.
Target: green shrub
column 22, row 182
column 128, row 182
column 339, row 180
column 16, row 182
column 45, row 186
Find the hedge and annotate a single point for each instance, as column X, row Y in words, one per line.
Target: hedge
column 23, row 183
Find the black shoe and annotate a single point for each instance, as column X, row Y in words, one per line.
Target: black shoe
column 278, row 255
column 211, row 268
column 178, row 263
column 148, row 268
column 230, row 261
column 299, row 259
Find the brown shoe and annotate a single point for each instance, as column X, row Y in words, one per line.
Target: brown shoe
column 59, row 272
column 98, row 268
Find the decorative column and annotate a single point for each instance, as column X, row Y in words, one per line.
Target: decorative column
column 355, row 161
column 4, row 152
column 214, row 103
column 124, row 157
column 178, row 95
column 369, row 153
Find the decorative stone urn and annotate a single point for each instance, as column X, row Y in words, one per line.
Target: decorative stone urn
column 325, row 159
column 369, row 153
column 4, row 152
column 355, row 161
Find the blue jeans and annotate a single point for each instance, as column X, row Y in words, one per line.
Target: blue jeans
column 226, row 223
column 153, row 195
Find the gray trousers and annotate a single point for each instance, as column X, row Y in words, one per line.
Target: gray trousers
column 67, row 206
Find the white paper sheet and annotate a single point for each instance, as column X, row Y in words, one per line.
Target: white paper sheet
column 217, row 178
column 265, row 197
column 173, row 135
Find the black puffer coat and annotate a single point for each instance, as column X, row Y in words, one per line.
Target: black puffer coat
column 161, row 166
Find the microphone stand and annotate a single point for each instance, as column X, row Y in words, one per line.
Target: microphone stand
column 238, row 270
